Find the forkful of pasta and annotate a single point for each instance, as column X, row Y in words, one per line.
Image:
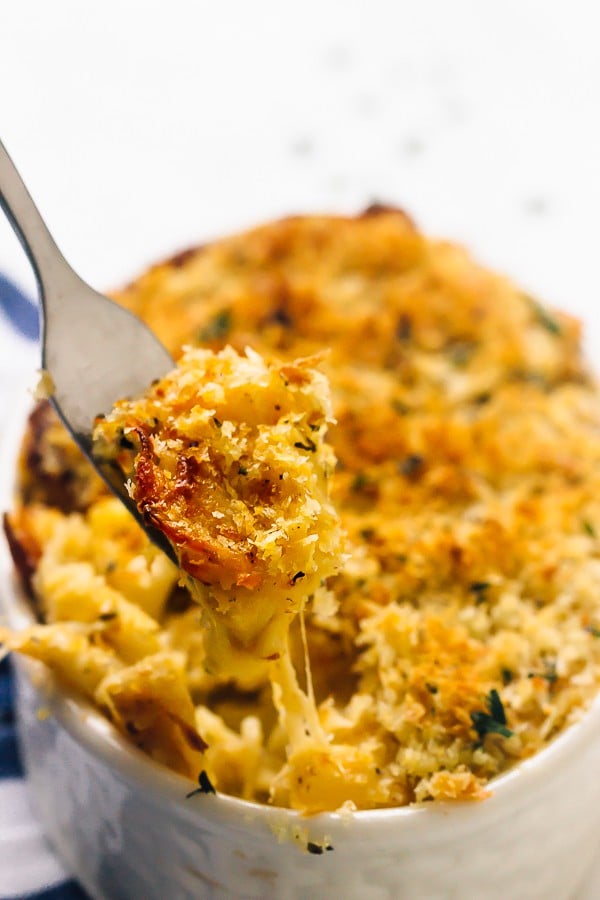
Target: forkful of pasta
column 226, row 457
column 222, row 460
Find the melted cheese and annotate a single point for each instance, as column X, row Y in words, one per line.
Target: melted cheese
column 226, row 456
column 467, row 435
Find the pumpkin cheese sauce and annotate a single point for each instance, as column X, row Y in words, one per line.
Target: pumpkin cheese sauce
column 378, row 465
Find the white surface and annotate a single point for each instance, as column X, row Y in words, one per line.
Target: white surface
column 26, row 862
column 142, row 127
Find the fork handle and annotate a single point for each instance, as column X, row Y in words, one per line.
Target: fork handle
column 49, row 265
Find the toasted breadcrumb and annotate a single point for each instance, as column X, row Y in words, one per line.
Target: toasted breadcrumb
column 226, row 456
column 463, row 631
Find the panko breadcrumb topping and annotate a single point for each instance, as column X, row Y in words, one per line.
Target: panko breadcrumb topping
column 462, row 632
column 226, row 456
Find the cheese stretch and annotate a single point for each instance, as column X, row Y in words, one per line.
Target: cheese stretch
column 447, row 622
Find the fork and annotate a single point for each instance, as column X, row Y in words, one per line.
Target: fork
column 95, row 351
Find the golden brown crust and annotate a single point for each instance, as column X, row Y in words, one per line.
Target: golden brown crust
column 468, row 440
column 178, row 507
column 225, row 455
column 53, row 469
column 25, row 551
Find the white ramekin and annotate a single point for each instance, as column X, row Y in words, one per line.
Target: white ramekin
column 123, row 825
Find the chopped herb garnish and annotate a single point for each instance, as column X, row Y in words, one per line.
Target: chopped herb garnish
column 242, row 470
column 404, row 328
column 359, row 481
column 479, row 589
column 282, row 317
column 367, row 534
column 125, row 443
column 478, row 586
column 309, row 445
column 317, row 848
column 589, row 528
column 432, row 688
column 544, row 318
column 493, row 721
column 507, row 676
column 217, row 422
column 297, row 577
column 205, row 786
column 496, row 707
column 401, row 408
column 411, row 466
column 537, row 379
column 549, row 673
column 595, row 632
column 218, row 327
column 107, row 616
column 461, row 352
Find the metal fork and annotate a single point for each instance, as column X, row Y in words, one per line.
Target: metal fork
column 94, row 351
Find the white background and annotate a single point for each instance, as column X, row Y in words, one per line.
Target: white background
column 142, row 127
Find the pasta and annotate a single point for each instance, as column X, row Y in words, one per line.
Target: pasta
column 457, row 631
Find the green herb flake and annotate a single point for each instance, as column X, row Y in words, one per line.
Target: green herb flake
column 549, row 673
column 493, row 721
column 528, row 376
column 242, row 470
column 591, row 629
column 404, row 328
column 544, row 317
column 205, row 786
column 218, row 327
column 401, row 408
column 281, row 316
column 317, row 849
column 507, row 676
column 359, row 482
column 309, row 445
column 411, row 466
column 479, row 589
column 589, row 528
column 461, row 353
column 297, row 577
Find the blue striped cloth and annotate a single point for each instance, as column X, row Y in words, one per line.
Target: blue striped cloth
column 10, row 767
column 10, row 764
column 19, row 320
column 18, row 309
